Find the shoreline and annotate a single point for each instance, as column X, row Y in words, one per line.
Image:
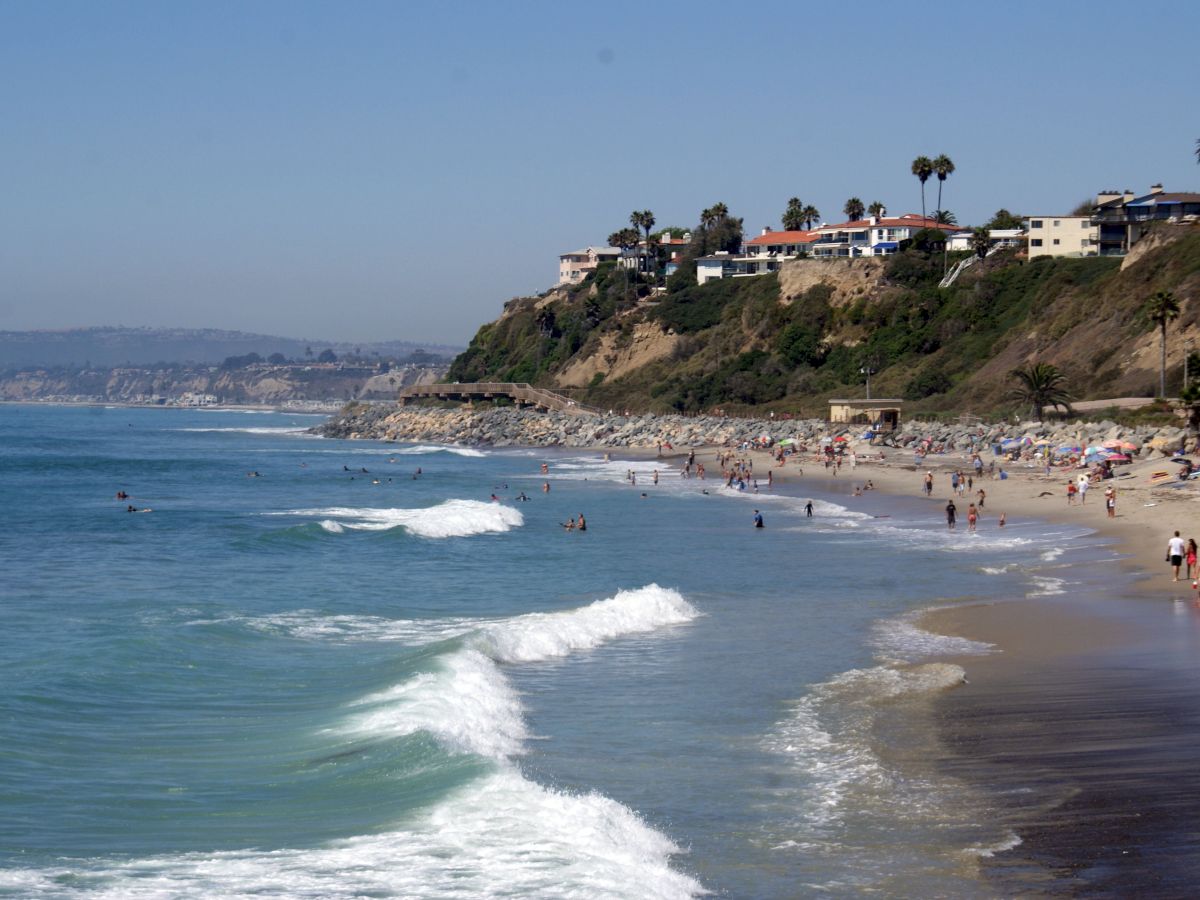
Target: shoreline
column 1082, row 725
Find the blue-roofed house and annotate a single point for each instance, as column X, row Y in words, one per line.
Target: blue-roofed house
column 1122, row 219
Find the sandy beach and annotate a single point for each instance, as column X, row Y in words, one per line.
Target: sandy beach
column 1084, row 722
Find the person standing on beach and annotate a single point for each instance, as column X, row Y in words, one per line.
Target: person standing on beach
column 928, row 484
column 972, row 517
column 1191, row 558
column 1176, row 551
column 951, row 514
column 1084, row 484
column 982, row 497
column 1110, row 502
column 1072, row 490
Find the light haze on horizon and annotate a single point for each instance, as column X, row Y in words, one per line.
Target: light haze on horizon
column 380, row 171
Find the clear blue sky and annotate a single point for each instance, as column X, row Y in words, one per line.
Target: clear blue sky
column 358, row 171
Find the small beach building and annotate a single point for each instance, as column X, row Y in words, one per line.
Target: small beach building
column 879, row 415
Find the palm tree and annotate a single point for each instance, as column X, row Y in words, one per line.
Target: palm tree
column 877, row 209
column 981, row 242
column 1161, row 309
column 793, row 216
column 810, row 215
column 943, row 167
column 643, row 219
column 945, row 217
column 720, row 211
column 922, row 167
column 854, row 209
column 1041, row 384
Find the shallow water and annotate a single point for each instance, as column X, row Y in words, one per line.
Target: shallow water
column 322, row 681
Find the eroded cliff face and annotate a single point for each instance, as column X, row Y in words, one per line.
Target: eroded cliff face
column 850, row 279
column 619, row 354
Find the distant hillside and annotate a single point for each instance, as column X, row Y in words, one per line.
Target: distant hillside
column 143, row 346
column 791, row 340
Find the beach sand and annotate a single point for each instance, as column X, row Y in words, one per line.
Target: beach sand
column 1084, row 726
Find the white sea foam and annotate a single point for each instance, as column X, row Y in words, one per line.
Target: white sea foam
column 468, row 704
column 501, row 836
column 828, row 734
column 1051, row 555
column 426, row 449
column 453, row 518
column 902, row 639
column 1044, row 586
column 255, row 430
column 1008, row 842
column 347, row 629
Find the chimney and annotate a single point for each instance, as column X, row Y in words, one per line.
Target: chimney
column 766, row 230
column 1107, row 197
column 1128, row 195
column 873, row 221
column 1156, row 189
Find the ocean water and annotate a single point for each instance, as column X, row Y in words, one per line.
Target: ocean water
column 337, row 678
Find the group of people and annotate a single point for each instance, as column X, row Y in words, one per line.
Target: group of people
column 1077, row 490
column 1181, row 552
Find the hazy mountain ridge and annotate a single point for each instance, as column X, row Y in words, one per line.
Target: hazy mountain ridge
column 119, row 345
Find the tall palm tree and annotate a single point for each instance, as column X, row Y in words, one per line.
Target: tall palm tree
column 1041, row 384
column 793, row 216
column 642, row 219
column 943, row 167
column 981, row 242
column 876, row 209
column 922, row 167
column 1161, row 309
column 945, row 217
column 854, row 209
column 720, row 211
column 810, row 215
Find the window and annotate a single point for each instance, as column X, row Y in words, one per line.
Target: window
column 1035, row 242
column 1036, row 223
column 1085, row 223
column 1084, row 242
column 1056, row 242
column 1057, row 222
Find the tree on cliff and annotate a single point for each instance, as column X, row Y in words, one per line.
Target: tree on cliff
column 922, row 167
column 1161, row 309
column 793, row 216
column 643, row 219
column 1004, row 219
column 943, row 167
column 1041, row 385
column 981, row 242
column 854, row 209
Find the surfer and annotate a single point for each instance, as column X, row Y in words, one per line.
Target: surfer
column 808, row 509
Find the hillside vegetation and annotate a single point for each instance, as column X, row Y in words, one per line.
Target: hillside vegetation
column 791, row 340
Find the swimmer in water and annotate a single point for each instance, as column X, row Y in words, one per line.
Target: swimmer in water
column 582, row 523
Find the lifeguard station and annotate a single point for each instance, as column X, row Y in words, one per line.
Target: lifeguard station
column 879, row 415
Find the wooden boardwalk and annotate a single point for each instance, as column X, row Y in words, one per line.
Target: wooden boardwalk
column 519, row 393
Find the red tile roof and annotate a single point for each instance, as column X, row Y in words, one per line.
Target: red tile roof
column 784, row 237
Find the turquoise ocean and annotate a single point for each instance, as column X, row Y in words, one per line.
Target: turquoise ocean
column 335, row 679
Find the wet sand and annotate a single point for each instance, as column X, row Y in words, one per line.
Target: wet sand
column 1083, row 728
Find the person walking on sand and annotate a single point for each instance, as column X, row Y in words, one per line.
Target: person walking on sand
column 1176, row 552
column 1084, row 484
column 1190, row 559
column 982, row 497
column 928, row 484
column 951, row 514
column 1072, row 490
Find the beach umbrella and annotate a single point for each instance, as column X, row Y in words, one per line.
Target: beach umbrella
column 841, row 437
column 1068, row 450
column 1119, row 458
column 1112, row 445
column 1042, row 442
column 787, row 441
column 1126, row 445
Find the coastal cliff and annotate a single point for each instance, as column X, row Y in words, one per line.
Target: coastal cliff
column 789, row 341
